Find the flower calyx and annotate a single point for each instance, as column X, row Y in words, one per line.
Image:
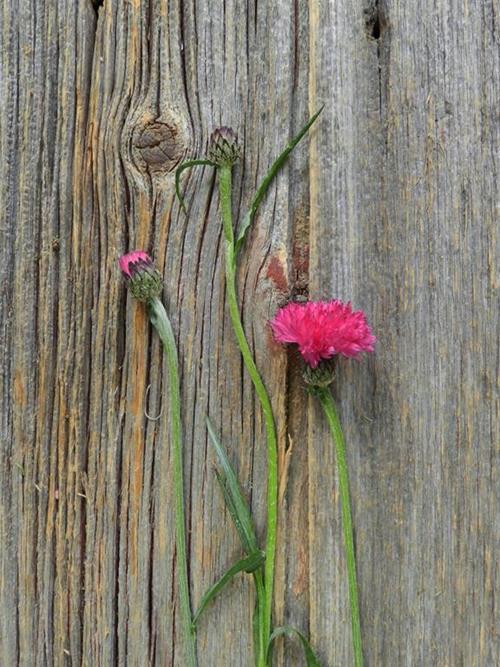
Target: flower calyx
column 320, row 377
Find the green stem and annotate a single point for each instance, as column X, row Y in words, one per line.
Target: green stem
column 328, row 404
column 224, row 181
column 260, row 658
column 159, row 319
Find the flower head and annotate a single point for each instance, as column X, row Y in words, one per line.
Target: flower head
column 142, row 277
column 131, row 263
column 322, row 329
column 223, row 149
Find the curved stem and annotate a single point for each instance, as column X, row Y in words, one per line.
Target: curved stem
column 159, row 319
column 328, row 404
column 224, row 181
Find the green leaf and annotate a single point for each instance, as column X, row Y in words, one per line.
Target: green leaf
column 311, row 659
column 248, row 564
column 178, row 172
column 275, row 167
column 235, row 501
column 245, row 542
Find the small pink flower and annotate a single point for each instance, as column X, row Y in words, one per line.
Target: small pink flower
column 134, row 261
column 143, row 279
column 322, row 329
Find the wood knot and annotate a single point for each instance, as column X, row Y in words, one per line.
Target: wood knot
column 157, row 146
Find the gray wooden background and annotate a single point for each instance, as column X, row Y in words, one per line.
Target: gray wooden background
column 392, row 202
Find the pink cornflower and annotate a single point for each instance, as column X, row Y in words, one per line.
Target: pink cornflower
column 142, row 278
column 322, row 329
column 134, row 261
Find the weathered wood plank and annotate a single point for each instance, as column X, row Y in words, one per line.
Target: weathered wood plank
column 45, row 77
column 395, row 210
column 45, row 57
column 162, row 75
column 409, row 189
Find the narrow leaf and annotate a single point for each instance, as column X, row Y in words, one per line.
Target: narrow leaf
column 235, row 500
column 248, row 564
column 275, row 167
column 311, row 659
column 178, row 172
column 244, row 538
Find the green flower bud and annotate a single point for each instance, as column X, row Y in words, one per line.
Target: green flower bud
column 224, row 149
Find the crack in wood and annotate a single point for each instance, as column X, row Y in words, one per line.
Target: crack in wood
column 373, row 19
column 97, row 5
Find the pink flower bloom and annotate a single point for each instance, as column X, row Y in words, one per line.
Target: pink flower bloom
column 143, row 279
column 322, row 329
column 134, row 261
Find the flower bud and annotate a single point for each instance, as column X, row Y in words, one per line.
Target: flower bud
column 143, row 279
column 223, row 149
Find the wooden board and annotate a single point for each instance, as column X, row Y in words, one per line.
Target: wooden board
column 392, row 202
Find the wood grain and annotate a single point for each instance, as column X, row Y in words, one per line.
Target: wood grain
column 392, row 202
